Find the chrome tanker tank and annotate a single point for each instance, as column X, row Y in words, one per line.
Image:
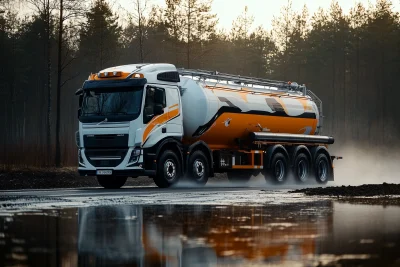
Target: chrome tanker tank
column 219, row 114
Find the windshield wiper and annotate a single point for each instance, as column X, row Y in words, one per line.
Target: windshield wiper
column 105, row 120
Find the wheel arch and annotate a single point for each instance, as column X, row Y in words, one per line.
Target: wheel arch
column 271, row 151
column 171, row 144
column 202, row 146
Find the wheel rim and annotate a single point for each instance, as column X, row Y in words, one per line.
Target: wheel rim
column 279, row 171
column 170, row 169
column 302, row 170
column 199, row 168
column 322, row 170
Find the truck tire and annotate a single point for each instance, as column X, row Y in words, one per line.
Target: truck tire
column 278, row 170
column 301, row 168
column 241, row 177
column 198, row 168
column 169, row 169
column 322, row 170
column 111, row 182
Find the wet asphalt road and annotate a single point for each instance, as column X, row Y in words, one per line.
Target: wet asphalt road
column 124, row 191
column 217, row 225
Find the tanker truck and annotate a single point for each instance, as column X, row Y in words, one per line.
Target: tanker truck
column 170, row 124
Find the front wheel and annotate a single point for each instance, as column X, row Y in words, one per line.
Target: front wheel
column 198, row 169
column 169, row 170
column 111, row 182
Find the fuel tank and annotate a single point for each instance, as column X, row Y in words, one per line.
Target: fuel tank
column 220, row 114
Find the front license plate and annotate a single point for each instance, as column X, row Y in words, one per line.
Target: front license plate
column 104, row 172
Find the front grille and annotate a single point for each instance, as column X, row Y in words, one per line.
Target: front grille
column 106, row 141
column 105, row 157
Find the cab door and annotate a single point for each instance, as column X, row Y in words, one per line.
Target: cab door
column 161, row 114
column 174, row 110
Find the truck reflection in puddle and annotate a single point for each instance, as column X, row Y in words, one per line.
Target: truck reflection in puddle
column 201, row 235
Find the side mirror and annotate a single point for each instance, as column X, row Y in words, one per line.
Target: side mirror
column 79, row 91
column 158, row 109
column 79, row 113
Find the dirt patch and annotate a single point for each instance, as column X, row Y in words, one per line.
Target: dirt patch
column 54, row 178
column 367, row 190
column 380, row 201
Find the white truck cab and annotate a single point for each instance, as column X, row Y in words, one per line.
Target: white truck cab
column 116, row 120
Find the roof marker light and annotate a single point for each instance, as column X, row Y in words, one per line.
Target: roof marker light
column 138, row 75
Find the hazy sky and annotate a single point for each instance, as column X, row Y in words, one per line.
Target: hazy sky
column 264, row 10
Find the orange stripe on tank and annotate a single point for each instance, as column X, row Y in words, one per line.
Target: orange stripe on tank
column 173, row 106
column 219, row 136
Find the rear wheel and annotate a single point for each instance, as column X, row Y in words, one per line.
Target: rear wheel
column 279, row 169
column 168, row 170
column 111, row 182
column 239, row 176
column 322, row 169
column 301, row 168
column 198, row 169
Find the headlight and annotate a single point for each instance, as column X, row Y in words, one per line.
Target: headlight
column 135, row 156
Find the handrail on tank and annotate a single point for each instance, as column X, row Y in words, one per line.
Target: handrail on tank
column 238, row 79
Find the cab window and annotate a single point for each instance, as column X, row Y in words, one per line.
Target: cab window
column 154, row 104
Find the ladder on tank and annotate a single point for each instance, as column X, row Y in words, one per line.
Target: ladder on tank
column 250, row 82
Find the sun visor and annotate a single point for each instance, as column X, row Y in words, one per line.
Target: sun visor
column 114, row 84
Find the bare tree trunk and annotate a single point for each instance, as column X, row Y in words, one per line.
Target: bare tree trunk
column 188, row 37
column 59, row 76
column 48, row 54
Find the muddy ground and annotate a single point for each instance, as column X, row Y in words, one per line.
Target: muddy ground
column 58, row 178
column 368, row 190
column 54, row 178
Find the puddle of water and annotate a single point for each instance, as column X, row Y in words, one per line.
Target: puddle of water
column 323, row 233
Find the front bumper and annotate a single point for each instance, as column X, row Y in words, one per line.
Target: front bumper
column 125, row 167
column 127, row 173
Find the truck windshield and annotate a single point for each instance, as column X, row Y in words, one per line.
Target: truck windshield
column 112, row 103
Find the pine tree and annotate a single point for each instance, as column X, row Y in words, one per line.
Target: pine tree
column 240, row 38
column 99, row 37
column 198, row 25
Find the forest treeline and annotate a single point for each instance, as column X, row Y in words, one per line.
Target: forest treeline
column 351, row 61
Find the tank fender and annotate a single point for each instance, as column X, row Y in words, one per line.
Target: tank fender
column 172, row 144
column 204, row 147
column 271, row 151
column 296, row 150
column 322, row 149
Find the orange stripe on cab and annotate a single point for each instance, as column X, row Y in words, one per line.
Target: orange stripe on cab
column 159, row 120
